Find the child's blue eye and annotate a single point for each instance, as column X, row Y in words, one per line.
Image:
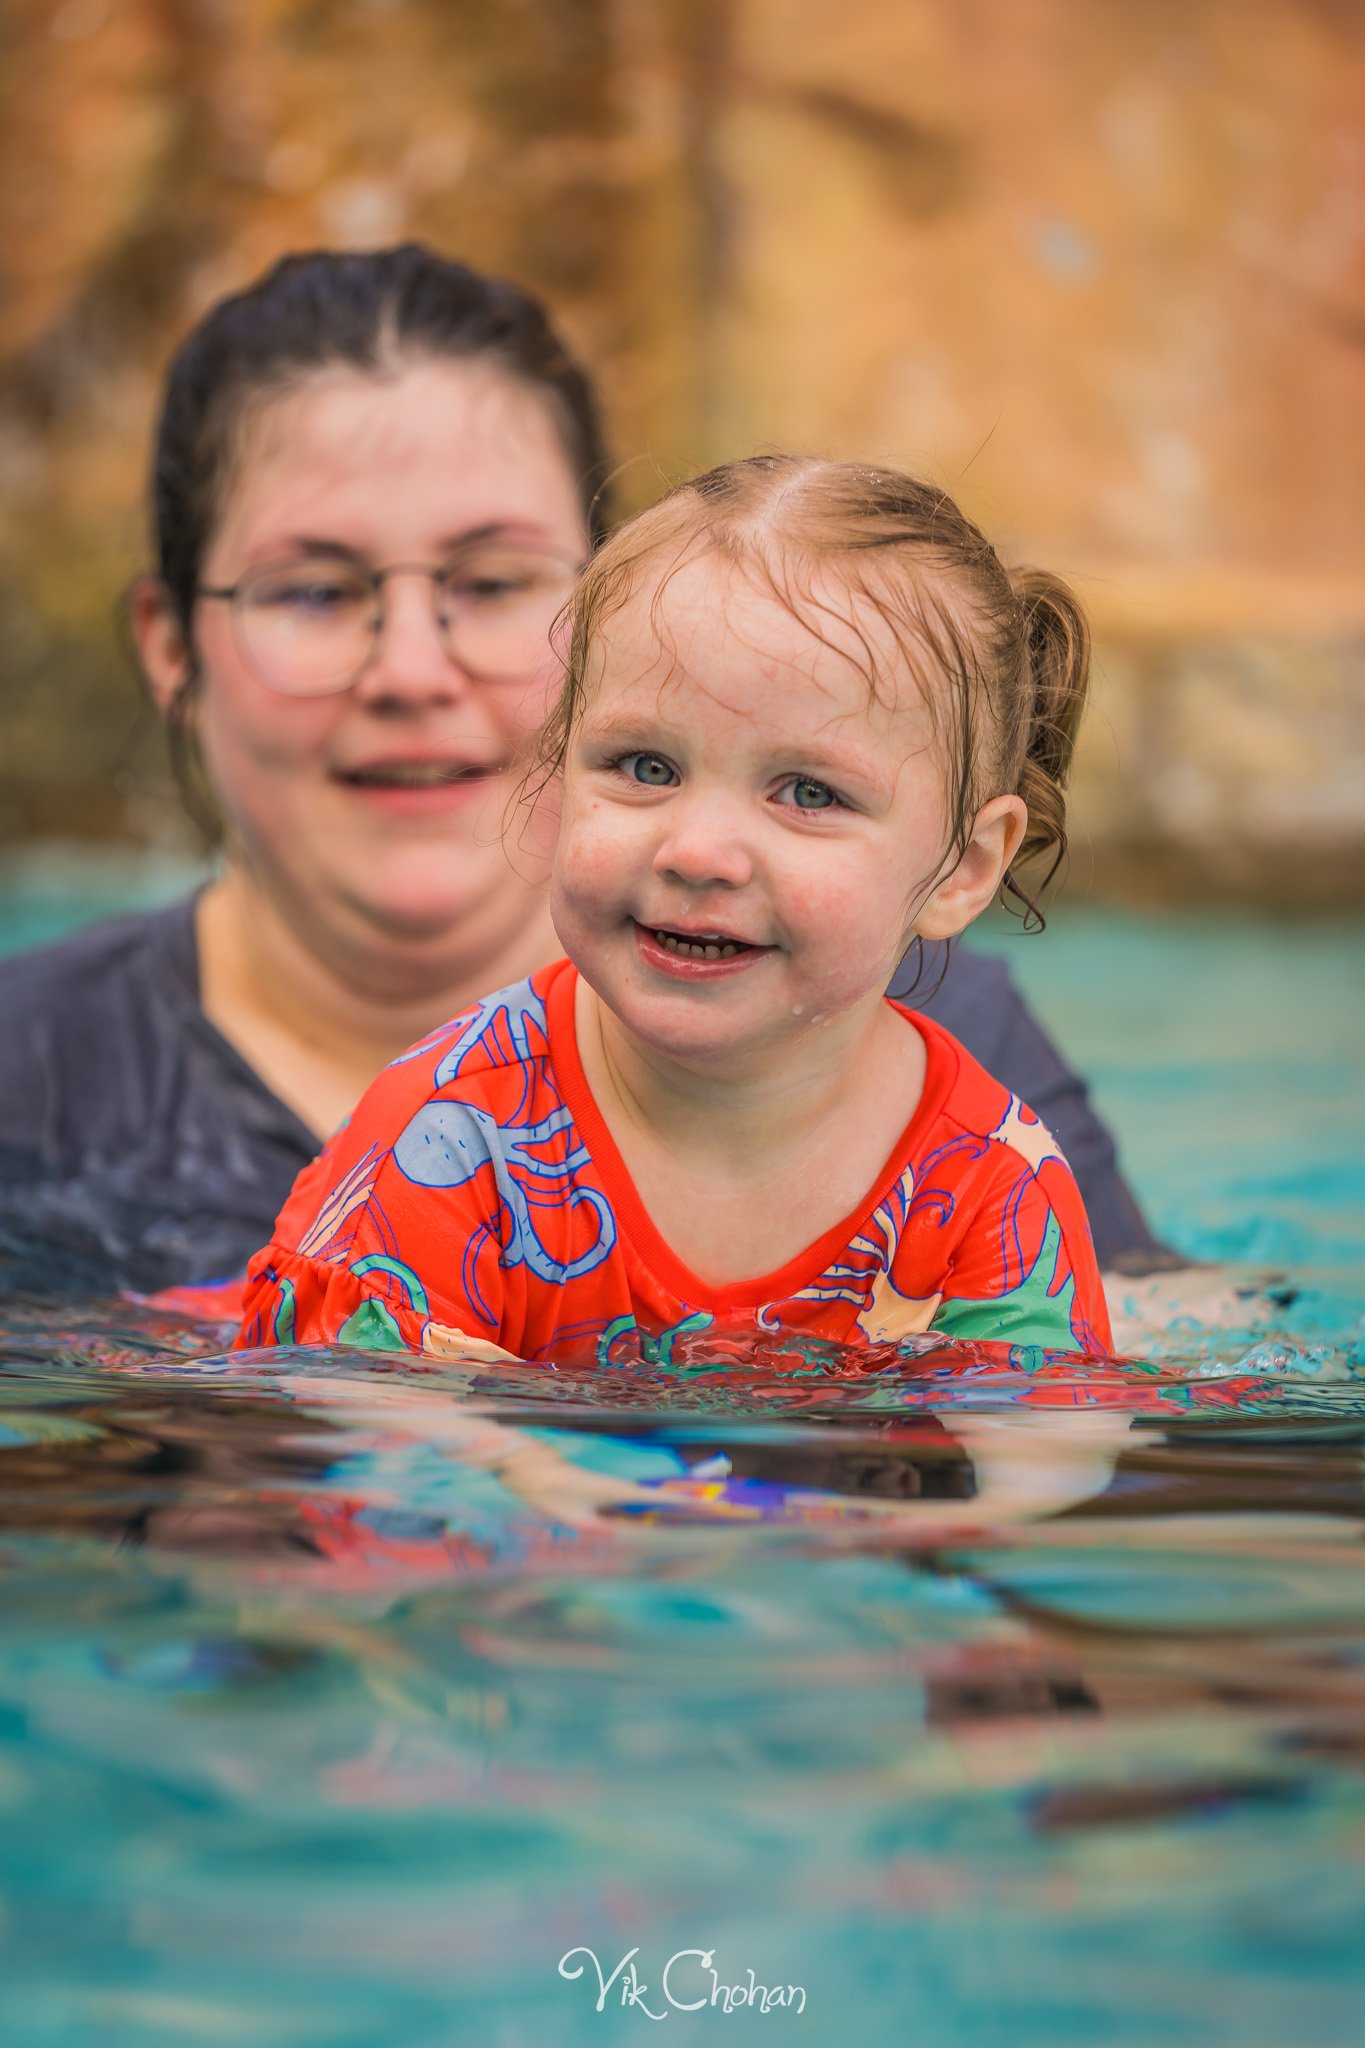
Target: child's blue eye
column 649, row 769
column 805, row 794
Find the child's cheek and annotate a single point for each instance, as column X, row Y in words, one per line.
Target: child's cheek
column 589, row 869
column 856, row 926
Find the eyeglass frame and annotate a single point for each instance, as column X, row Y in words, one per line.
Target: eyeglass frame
column 376, row 579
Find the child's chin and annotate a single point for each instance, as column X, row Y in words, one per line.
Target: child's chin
column 693, row 1041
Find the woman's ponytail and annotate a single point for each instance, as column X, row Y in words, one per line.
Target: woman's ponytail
column 1057, row 654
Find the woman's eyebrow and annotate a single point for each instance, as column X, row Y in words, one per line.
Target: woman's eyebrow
column 471, row 536
column 313, row 544
column 495, row 529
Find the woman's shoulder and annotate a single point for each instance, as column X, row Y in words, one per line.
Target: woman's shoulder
column 59, row 981
column 86, row 1016
column 127, row 1142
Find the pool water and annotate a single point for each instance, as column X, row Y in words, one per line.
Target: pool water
column 961, row 1696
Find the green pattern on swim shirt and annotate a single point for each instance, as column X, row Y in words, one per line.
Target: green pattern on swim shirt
column 377, row 1262
column 1027, row 1315
column 371, row 1328
column 283, row 1325
column 656, row 1350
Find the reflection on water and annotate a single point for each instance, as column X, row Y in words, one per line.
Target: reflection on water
column 341, row 1698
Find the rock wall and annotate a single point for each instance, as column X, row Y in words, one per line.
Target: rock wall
column 1098, row 267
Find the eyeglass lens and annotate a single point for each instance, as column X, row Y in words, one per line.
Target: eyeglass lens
column 310, row 625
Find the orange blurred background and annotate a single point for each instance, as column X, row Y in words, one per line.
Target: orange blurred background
column 1097, row 266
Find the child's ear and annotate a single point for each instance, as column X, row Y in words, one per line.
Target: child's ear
column 160, row 641
column 967, row 889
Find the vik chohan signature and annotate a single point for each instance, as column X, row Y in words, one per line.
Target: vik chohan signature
column 689, row 1983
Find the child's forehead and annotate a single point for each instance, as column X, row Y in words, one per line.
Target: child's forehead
column 835, row 620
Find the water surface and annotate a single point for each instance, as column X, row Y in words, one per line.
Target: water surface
column 341, row 1700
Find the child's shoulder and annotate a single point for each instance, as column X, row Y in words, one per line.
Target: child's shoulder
column 971, row 1103
column 492, row 1058
column 990, row 1163
column 483, row 1056
column 510, row 1028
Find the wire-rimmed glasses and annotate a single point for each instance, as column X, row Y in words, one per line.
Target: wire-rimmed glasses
column 309, row 626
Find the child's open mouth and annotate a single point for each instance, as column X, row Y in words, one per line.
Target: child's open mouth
column 700, row 945
column 700, row 949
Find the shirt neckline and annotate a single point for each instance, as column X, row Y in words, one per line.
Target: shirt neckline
column 633, row 1219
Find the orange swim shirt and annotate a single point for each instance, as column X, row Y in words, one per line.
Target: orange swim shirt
column 477, row 1190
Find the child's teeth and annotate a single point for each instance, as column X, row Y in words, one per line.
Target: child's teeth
column 697, row 949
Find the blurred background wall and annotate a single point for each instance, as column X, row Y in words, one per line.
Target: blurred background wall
column 1096, row 265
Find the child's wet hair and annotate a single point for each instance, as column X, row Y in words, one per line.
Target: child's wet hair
column 1013, row 645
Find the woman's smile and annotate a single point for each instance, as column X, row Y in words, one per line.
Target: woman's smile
column 421, row 784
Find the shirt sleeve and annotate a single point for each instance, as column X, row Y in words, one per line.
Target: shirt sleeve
column 975, row 996
column 1025, row 1270
column 386, row 1247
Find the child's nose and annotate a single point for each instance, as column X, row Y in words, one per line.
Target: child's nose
column 704, row 842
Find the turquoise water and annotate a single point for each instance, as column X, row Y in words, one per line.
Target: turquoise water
column 978, row 1699
column 63, row 888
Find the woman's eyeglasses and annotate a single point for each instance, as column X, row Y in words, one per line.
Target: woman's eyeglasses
column 311, row 626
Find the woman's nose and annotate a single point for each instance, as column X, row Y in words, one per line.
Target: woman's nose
column 411, row 660
column 703, row 842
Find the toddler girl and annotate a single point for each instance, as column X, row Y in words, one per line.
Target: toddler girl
column 808, row 719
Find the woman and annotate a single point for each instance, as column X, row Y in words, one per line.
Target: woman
column 375, row 479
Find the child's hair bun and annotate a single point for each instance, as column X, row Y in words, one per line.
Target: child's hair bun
column 1057, row 650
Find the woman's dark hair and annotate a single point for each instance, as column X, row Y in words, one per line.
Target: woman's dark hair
column 369, row 311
